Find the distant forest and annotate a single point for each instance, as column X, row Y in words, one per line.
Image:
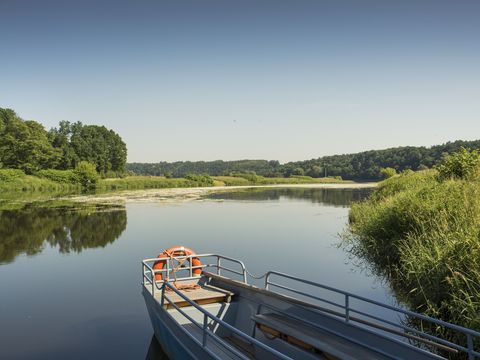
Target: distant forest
column 359, row 166
column 26, row 145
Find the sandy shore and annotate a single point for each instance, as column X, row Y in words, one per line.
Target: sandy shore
column 172, row 195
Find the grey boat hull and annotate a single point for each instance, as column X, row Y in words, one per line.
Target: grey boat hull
column 217, row 317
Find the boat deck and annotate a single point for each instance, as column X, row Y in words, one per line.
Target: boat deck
column 315, row 340
column 205, row 294
column 214, row 346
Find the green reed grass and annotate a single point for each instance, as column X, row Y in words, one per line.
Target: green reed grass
column 423, row 233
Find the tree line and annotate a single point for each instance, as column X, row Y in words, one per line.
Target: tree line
column 365, row 165
column 26, row 145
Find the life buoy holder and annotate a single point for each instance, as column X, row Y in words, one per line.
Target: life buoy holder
column 172, row 253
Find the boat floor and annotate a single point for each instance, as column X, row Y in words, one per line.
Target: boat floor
column 220, row 350
column 329, row 345
column 205, row 294
column 214, row 345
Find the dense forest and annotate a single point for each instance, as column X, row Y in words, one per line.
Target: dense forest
column 213, row 168
column 365, row 165
column 27, row 146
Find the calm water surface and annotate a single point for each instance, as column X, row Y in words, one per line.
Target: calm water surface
column 70, row 275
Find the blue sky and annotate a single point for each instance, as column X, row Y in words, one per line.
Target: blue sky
column 286, row 80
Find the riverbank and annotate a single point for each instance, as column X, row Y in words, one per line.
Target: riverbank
column 420, row 231
column 16, row 185
column 171, row 195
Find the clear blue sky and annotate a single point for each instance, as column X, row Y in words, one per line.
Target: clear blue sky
column 286, row 80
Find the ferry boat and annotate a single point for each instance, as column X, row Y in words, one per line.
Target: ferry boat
column 202, row 306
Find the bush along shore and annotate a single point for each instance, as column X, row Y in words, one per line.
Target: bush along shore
column 422, row 232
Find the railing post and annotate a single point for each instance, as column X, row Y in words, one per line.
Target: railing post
column 470, row 347
column 266, row 281
column 190, row 261
column 143, row 273
column 168, row 268
column 154, row 282
column 218, row 265
column 205, row 324
column 162, row 299
column 347, row 308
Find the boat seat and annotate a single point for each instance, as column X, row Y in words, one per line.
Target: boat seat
column 311, row 339
column 205, row 294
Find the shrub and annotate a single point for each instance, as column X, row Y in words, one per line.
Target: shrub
column 200, row 179
column 248, row 175
column 298, row 171
column 61, row 176
column 463, row 164
column 388, row 172
column 11, row 174
column 87, row 174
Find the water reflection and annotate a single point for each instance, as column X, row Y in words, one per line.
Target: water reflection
column 333, row 197
column 71, row 228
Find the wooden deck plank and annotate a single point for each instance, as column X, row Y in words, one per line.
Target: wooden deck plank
column 203, row 295
column 305, row 336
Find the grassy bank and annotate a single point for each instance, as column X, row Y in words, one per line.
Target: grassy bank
column 159, row 182
column 14, row 181
column 421, row 231
column 260, row 180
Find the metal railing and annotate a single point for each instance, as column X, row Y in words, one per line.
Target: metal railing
column 342, row 309
column 148, row 272
column 346, row 312
column 209, row 334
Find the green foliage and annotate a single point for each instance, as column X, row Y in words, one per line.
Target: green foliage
column 11, row 174
column 61, row 176
column 142, row 182
column 423, row 235
column 298, row 171
column 87, row 174
column 388, row 172
column 232, row 181
column 25, row 144
column 30, row 186
column 92, row 143
column 213, row 168
column 200, row 180
column 464, row 164
column 251, row 176
column 360, row 166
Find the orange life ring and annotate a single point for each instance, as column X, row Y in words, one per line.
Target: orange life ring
column 177, row 251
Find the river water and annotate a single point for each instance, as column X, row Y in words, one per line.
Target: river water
column 70, row 274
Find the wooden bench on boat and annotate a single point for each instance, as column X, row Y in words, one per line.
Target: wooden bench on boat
column 302, row 335
column 204, row 294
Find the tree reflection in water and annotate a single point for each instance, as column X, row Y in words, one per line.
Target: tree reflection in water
column 71, row 228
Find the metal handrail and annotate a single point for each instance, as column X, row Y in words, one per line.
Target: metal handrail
column 190, row 267
column 219, row 321
column 470, row 334
column 148, row 278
